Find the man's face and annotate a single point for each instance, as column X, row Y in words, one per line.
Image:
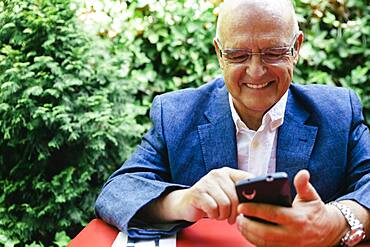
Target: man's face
column 255, row 84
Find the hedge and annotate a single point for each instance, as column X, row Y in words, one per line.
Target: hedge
column 74, row 103
column 66, row 121
column 337, row 45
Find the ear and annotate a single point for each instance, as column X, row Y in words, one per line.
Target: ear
column 297, row 46
column 218, row 53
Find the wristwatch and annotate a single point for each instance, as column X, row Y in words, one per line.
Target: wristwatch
column 356, row 232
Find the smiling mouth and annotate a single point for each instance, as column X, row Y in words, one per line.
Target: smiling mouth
column 259, row 86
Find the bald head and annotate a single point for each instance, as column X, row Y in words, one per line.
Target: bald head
column 273, row 14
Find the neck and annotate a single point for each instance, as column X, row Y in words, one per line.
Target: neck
column 252, row 119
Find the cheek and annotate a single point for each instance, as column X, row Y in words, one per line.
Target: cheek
column 285, row 75
column 232, row 77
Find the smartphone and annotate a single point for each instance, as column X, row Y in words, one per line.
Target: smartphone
column 272, row 189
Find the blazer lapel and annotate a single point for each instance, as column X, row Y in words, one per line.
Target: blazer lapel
column 295, row 139
column 218, row 141
column 217, row 138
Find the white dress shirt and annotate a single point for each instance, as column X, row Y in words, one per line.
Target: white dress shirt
column 257, row 149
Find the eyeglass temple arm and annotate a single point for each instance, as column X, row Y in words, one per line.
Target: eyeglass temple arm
column 219, row 46
column 293, row 48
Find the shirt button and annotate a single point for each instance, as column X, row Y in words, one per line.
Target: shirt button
column 255, row 144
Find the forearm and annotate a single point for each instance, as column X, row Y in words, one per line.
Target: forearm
column 166, row 208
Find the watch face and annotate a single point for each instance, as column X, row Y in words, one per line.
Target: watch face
column 355, row 236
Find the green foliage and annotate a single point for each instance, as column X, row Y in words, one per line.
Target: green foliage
column 337, row 45
column 167, row 45
column 73, row 104
column 65, row 124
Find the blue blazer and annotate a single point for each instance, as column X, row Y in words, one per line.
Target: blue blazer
column 193, row 133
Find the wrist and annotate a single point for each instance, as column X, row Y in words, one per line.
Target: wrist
column 172, row 205
column 338, row 224
column 355, row 233
column 161, row 210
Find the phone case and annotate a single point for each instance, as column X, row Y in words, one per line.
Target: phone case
column 272, row 189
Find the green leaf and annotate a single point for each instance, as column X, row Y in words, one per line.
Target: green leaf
column 61, row 239
column 35, row 91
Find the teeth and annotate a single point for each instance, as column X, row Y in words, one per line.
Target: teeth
column 258, row 86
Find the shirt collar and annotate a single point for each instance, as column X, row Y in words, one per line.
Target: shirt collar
column 274, row 117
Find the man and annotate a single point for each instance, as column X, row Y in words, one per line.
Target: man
column 251, row 122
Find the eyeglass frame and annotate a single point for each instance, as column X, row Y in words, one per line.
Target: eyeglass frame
column 289, row 51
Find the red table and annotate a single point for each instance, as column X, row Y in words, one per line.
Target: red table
column 201, row 234
column 96, row 234
column 213, row 233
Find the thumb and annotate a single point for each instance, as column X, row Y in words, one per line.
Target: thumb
column 305, row 190
column 237, row 175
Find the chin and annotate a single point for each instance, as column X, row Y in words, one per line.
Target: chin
column 257, row 105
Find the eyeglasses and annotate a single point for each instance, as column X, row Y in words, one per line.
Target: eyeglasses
column 273, row 55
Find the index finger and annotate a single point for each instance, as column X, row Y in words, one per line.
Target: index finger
column 237, row 175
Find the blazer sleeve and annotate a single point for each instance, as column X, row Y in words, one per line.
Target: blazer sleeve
column 358, row 164
column 141, row 179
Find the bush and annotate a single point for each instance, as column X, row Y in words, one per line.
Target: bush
column 65, row 122
column 166, row 45
column 73, row 104
column 336, row 47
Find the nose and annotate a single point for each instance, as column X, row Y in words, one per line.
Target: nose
column 255, row 67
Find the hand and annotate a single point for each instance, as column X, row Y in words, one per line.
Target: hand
column 309, row 222
column 213, row 196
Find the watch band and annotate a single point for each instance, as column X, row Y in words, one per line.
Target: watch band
column 356, row 232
